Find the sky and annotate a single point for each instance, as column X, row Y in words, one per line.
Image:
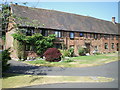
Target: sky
column 100, row 10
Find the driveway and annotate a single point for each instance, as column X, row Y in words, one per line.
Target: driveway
column 107, row 70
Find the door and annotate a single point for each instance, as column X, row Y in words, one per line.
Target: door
column 117, row 45
column 87, row 47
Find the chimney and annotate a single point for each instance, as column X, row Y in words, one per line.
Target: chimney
column 113, row 20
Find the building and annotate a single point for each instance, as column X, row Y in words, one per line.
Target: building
column 1, row 31
column 71, row 30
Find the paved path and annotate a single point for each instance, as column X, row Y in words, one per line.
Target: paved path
column 107, row 70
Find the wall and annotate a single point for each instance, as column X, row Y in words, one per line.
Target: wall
column 10, row 40
column 99, row 42
column 76, row 42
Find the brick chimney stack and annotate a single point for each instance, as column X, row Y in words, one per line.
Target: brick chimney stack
column 113, row 20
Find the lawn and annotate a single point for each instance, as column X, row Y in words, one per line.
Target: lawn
column 17, row 80
column 80, row 61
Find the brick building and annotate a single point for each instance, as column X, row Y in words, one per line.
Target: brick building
column 1, row 31
column 71, row 30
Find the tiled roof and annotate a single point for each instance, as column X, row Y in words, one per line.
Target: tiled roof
column 63, row 21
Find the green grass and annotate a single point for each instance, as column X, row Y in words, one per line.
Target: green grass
column 81, row 61
column 17, row 80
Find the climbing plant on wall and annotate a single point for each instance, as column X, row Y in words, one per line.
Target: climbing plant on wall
column 40, row 42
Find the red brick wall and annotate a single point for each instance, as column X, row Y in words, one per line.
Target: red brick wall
column 80, row 41
column 77, row 41
column 31, row 54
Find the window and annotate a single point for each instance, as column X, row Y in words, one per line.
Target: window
column 91, row 35
column 72, row 35
column 112, row 37
column 112, row 45
column 23, row 30
column 59, row 46
column 71, row 46
column 58, row 34
column 29, row 32
column 95, row 36
column 106, row 46
column 105, row 36
column 117, row 45
column 86, row 35
column 44, row 32
column 81, row 34
column 117, row 37
column 96, row 48
column 101, row 35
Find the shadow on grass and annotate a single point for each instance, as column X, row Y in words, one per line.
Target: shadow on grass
column 6, row 75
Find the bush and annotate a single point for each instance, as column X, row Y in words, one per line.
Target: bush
column 68, row 53
column 71, row 52
column 52, row 55
column 65, row 53
column 20, row 48
column 5, row 58
column 81, row 51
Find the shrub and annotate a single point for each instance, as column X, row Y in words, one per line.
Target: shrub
column 81, row 51
column 71, row 52
column 52, row 55
column 5, row 58
column 66, row 53
column 20, row 48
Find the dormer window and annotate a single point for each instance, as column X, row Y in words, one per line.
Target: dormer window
column 44, row 32
column 117, row 37
column 81, row 34
column 58, row 34
column 29, row 32
column 112, row 37
column 71, row 35
column 95, row 36
column 105, row 36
